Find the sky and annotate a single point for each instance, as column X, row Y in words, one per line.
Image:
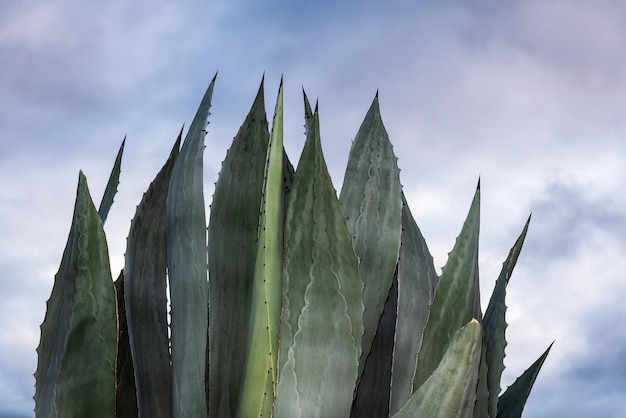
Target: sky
column 527, row 95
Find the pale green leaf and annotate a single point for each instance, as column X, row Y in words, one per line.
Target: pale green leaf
column 260, row 378
column 322, row 305
column 450, row 392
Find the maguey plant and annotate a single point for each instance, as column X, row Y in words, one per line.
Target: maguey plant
column 289, row 301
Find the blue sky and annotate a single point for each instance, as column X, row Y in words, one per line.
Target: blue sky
column 528, row 95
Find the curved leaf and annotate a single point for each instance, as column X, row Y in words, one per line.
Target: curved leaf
column 187, row 269
column 457, row 298
column 512, row 401
column 233, row 233
column 145, row 282
column 417, row 280
column 125, row 392
column 495, row 324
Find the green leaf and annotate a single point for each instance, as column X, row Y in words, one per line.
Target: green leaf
column 450, row 392
column 512, row 401
column 187, row 270
column 457, row 298
column 371, row 201
column 417, row 280
column 322, row 302
column 111, row 188
column 75, row 374
column 373, row 389
column 495, row 323
column 146, row 295
column 233, row 229
column 259, row 385
column 125, row 392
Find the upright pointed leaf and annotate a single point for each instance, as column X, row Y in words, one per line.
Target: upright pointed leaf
column 146, row 296
column 456, row 299
column 111, row 188
column 187, row 269
column 259, row 385
column 495, row 324
column 371, row 201
column 322, row 305
column 512, row 401
column 450, row 392
column 233, row 229
column 417, row 280
column 75, row 374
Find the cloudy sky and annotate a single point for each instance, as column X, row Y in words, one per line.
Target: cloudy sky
column 528, row 95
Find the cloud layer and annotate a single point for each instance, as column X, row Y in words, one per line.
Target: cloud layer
column 526, row 95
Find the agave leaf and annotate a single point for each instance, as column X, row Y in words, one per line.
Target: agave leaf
column 146, row 296
column 512, row 401
column 450, row 392
column 481, row 408
column 75, row 374
column 322, row 305
column 125, row 393
column 417, row 280
column 495, row 323
column 371, row 201
column 111, row 187
column 259, row 385
column 373, row 389
column 456, row 299
column 187, row 269
column 233, row 229
column 308, row 113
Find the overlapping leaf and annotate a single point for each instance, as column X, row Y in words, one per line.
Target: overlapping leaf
column 322, row 302
column 145, row 283
column 259, row 385
column 187, row 269
column 371, row 201
column 456, row 299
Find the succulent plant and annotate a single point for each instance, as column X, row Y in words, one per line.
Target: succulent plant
column 292, row 301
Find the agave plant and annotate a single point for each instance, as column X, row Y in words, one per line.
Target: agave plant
column 298, row 302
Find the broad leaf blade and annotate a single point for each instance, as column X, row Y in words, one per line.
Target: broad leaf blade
column 75, row 374
column 456, row 299
column 259, row 385
column 111, row 188
column 233, row 229
column 146, row 296
column 417, row 280
column 322, row 305
column 187, row 269
column 512, row 401
column 450, row 392
column 495, row 324
column 371, row 201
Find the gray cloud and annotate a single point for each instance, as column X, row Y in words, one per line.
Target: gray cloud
column 526, row 95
